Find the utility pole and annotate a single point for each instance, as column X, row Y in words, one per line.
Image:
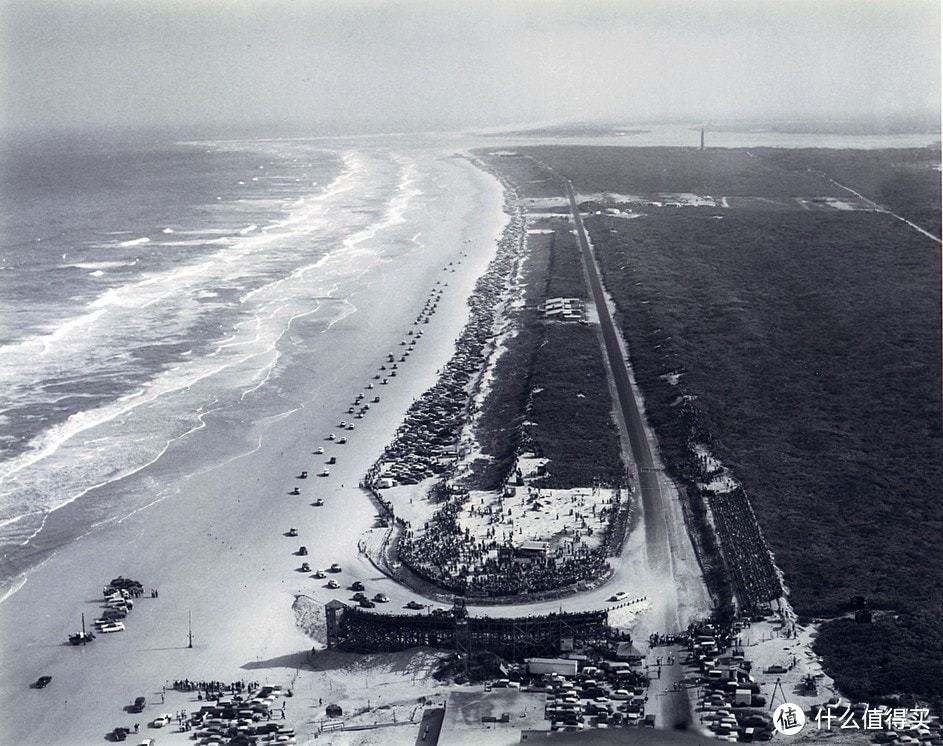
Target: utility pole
column 84, row 641
column 189, row 629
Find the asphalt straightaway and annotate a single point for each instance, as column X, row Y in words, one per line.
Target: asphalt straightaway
column 674, row 711
column 649, row 486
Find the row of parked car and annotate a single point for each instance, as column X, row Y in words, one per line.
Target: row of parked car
column 572, row 705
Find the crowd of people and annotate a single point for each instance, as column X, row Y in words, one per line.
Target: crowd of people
column 748, row 558
column 214, row 689
column 446, row 554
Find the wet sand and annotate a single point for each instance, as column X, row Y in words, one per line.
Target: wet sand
column 214, row 546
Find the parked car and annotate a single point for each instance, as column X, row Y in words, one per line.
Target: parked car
column 381, row 598
column 359, row 597
column 111, row 627
column 42, row 682
column 333, row 584
column 139, row 704
column 293, row 532
column 366, row 603
column 415, row 605
column 120, row 734
column 161, row 720
column 318, row 503
column 357, row 586
column 302, row 550
column 334, row 568
column 305, row 567
column 320, row 574
column 620, row 596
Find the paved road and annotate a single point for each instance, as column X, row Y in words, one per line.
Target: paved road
column 648, row 473
column 672, row 708
column 431, row 727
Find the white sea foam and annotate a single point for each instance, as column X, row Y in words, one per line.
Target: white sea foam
column 62, row 463
column 135, row 241
column 195, row 242
column 99, row 265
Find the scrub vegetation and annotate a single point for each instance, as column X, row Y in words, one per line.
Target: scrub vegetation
column 802, row 346
column 550, row 393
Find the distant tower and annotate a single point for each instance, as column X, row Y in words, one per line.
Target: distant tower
column 702, row 138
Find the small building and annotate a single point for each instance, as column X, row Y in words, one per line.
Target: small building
column 334, row 614
column 532, row 549
column 626, row 651
column 562, row 666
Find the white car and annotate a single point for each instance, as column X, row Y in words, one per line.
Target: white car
column 112, row 627
column 319, row 450
column 161, row 720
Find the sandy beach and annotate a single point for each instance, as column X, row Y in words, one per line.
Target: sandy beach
column 214, row 544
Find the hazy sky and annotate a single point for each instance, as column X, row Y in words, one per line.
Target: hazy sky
column 329, row 64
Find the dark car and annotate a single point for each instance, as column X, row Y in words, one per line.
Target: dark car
column 415, row 605
column 357, row 586
column 42, row 681
column 359, row 597
column 366, row 603
column 139, row 703
column 120, row 734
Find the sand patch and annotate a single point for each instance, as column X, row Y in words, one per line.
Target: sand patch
column 309, row 617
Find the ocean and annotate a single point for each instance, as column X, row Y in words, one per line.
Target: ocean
column 148, row 287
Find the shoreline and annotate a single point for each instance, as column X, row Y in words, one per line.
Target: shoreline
column 204, row 546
